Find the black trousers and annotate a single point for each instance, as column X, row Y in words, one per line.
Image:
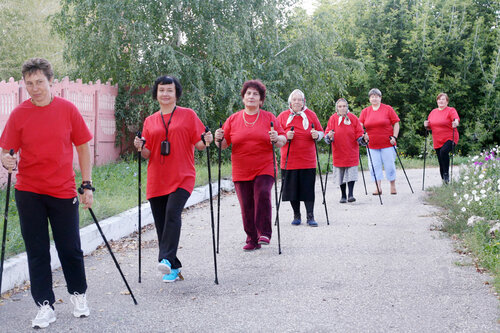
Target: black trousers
column 167, row 211
column 35, row 211
column 443, row 155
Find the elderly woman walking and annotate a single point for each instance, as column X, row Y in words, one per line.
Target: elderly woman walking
column 251, row 136
column 345, row 134
column 298, row 156
column 382, row 127
column 443, row 121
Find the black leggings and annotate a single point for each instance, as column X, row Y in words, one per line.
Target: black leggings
column 443, row 155
column 167, row 211
column 296, row 207
column 35, row 210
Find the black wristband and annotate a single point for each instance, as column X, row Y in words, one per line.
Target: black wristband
column 86, row 185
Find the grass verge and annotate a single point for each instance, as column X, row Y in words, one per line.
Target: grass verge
column 471, row 210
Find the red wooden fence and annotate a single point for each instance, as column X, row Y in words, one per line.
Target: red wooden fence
column 96, row 102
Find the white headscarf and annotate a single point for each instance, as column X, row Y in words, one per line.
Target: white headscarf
column 346, row 119
column 305, row 121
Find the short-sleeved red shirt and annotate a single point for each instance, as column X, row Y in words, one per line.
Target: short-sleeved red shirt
column 440, row 125
column 168, row 173
column 345, row 147
column 378, row 125
column 252, row 151
column 302, row 154
column 44, row 136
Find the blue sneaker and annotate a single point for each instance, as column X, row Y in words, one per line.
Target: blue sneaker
column 173, row 276
column 164, row 266
column 296, row 222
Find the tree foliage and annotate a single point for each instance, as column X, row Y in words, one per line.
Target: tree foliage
column 410, row 49
column 414, row 49
column 26, row 33
column 211, row 46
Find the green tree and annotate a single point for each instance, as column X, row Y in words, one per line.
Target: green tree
column 212, row 46
column 412, row 50
column 26, row 33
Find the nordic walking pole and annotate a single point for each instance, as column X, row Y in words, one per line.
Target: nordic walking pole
column 6, row 214
column 218, row 192
column 362, row 173
column 139, row 226
column 327, row 168
column 284, row 178
column 211, row 203
column 80, row 190
column 321, row 180
column 374, row 175
column 399, row 158
column 276, row 195
column 425, row 156
column 452, row 151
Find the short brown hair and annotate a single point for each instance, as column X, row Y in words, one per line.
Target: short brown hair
column 38, row 64
column 441, row 95
column 257, row 85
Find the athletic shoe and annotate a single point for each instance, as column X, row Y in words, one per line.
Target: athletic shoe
column 343, row 200
column 296, row 222
column 263, row 240
column 44, row 317
column 312, row 223
column 164, row 266
column 173, row 276
column 81, row 308
column 351, row 199
column 251, row 247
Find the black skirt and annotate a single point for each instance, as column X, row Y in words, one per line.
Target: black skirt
column 298, row 185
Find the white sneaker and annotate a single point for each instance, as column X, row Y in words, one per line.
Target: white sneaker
column 80, row 302
column 44, row 317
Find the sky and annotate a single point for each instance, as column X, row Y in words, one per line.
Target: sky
column 308, row 5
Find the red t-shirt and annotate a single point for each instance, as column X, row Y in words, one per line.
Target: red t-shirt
column 168, row 173
column 252, row 152
column 378, row 125
column 440, row 125
column 302, row 153
column 345, row 147
column 44, row 136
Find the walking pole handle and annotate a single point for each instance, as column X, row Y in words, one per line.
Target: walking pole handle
column 291, row 129
column 203, row 135
column 11, row 152
column 139, row 135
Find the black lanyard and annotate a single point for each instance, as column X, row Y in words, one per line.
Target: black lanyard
column 168, row 124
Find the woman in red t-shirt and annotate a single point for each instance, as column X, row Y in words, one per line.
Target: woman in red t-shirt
column 345, row 134
column 382, row 129
column 442, row 121
column 250, row 134
column 298, row 165
column 169, row 137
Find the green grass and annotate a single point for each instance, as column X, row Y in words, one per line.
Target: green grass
column 475, row 194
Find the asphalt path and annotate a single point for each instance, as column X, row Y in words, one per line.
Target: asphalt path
column 375, row 268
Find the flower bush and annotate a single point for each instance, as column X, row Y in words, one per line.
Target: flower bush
column 478, row 189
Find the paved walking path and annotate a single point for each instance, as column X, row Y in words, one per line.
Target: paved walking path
column 375, row 268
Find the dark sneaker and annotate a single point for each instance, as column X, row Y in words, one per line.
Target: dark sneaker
column 296, row 221
column 263, row 240
column 312, row 223
column 351, row 199
column 343, row 200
